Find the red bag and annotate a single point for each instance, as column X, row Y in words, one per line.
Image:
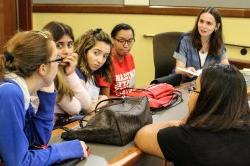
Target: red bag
column 159, row 95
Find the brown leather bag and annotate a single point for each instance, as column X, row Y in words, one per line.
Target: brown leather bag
column 115, row 123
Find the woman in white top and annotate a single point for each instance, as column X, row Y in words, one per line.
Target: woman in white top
column 94, row 49
column 203, row 46
column 29, row 65
column 72, row 95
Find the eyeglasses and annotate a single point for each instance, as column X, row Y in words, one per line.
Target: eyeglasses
column 58, row 59
column 192, row 88
column 123, row 41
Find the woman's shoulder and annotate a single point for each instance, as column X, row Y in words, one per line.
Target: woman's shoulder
column 9, row 90
column 175, row 131
column 8, row 87
column 80, row 74
column 129, row 56
column 186, row 37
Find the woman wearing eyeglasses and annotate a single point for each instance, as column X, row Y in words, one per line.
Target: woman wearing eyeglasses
column 203, row 46
column 123, row 73
column 29, row 66
column 72, row 96
column 217, row 130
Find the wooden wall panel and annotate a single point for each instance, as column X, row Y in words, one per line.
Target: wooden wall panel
column 14, row 16
column 8, row 21
column 121, row 9
column 25, row 15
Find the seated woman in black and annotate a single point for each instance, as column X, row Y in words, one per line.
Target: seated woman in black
column 217, row 131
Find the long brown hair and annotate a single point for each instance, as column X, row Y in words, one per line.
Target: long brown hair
column 58, row 30
column 84, row 44
column 216, row 40
column 25, row 52
column 222, row 102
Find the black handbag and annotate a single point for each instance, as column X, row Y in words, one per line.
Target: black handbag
column 115, row 123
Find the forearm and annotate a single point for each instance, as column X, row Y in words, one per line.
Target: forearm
column 80, row 92
column 181, row 65
column 105, row 91
column 43, row 119
column 48, row 156
column 146, row 137
column 70, row 106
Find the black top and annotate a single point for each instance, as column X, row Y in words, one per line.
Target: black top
column 185, row 146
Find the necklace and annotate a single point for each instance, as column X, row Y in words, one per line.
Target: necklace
column 203, row 51
column 205, row 46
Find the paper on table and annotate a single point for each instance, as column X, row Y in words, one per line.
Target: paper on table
column 197, row 73
column 245, row 71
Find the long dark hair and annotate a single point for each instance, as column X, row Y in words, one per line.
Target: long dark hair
column 216, row 40
column 58, row 30
column 222, row 102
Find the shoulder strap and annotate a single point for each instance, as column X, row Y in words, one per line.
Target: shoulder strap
column 110, row 99
column 80, row 75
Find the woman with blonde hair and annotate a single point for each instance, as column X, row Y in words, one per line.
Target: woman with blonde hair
column 29, row 66
column 94, row 49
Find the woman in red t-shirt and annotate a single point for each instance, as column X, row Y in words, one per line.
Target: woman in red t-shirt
column 123, row 72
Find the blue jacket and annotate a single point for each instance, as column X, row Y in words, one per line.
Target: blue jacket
column 189, row 55
column 20, row 129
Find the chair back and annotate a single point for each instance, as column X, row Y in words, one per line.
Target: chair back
column 164, row 45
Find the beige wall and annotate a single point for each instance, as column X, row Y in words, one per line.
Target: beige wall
column 236, row 30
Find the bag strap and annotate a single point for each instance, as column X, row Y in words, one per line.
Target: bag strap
column 148, row 90
column 140, row 89
column 127, row 88
column 95, row 110
column 176, row 99
column 110, row 99
column 63, row 128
